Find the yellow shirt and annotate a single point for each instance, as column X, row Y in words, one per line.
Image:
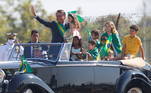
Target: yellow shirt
column 132, row 45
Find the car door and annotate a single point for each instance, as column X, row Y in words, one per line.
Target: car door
column 105, row 76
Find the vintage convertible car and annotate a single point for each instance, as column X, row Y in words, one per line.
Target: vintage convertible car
column 52, row 64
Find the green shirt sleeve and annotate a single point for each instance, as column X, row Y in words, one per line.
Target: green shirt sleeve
column 94, row 53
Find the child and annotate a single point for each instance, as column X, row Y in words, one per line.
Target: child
column 76, row 49
column 95, row 37
column 74, row 28
column 132, row 44
column 92, row 52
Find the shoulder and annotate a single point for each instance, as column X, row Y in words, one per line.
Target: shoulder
column 138, row 38
column 125, row 39
column 104, row 34
column 53, row 22
column 127, row 36
column 115, row 32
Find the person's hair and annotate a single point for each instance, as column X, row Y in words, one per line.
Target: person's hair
column 75, row 22
column 112, row 25
column 80, row 42
column 33, row 32
column 103, row 38
column 61, row 11
column 134, row 27
column 92, row 42
column 96, row 33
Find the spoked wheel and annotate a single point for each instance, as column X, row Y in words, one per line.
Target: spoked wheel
column 135, row 90
column 27, row 90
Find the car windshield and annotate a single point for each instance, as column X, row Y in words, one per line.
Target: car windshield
column 41, row 51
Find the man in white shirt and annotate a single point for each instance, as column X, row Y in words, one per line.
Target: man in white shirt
column 9, row 51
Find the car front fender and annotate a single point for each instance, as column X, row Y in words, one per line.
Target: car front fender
column 21, row 80
column 127, row 77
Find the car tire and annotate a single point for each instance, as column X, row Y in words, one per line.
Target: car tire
column 27, row 90
column 134, row 90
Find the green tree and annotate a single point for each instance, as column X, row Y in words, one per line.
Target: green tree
column 16, row 17
column 145, row 27
column 123, row 24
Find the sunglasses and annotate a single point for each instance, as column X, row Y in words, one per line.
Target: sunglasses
column 60, row 15
column 132, row 30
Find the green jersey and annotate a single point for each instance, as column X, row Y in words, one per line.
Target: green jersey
column 116, row 42
column 94, row 53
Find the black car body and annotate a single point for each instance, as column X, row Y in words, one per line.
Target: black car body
column 65, row 76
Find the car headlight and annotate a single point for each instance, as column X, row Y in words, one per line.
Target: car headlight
column 2, row 75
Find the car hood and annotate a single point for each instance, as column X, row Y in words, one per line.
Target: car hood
column 136, row 62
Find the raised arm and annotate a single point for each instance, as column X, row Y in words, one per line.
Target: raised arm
column 33, row 11
column 45, row 23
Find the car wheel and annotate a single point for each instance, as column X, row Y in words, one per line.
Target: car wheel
column 135, row 90
column 27, row 90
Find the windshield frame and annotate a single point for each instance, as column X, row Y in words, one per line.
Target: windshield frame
column 40, row 44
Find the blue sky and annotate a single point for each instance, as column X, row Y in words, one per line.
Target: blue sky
column 95, row 7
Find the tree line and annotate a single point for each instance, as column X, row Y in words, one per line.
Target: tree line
column 15, row 17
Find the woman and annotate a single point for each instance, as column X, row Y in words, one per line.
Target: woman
column 113, row 37
column 74, row 28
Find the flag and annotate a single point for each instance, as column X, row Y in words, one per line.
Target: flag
column 105, row 48
column 79, row 18
column 61, row 29
column 116, row 43
column 24, row 66
column 72, row 12
column 104, row 51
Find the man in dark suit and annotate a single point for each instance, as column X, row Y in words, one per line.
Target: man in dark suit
column 34, row 51
column 58, row 28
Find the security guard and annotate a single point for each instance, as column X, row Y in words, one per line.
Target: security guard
column 9, row 51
